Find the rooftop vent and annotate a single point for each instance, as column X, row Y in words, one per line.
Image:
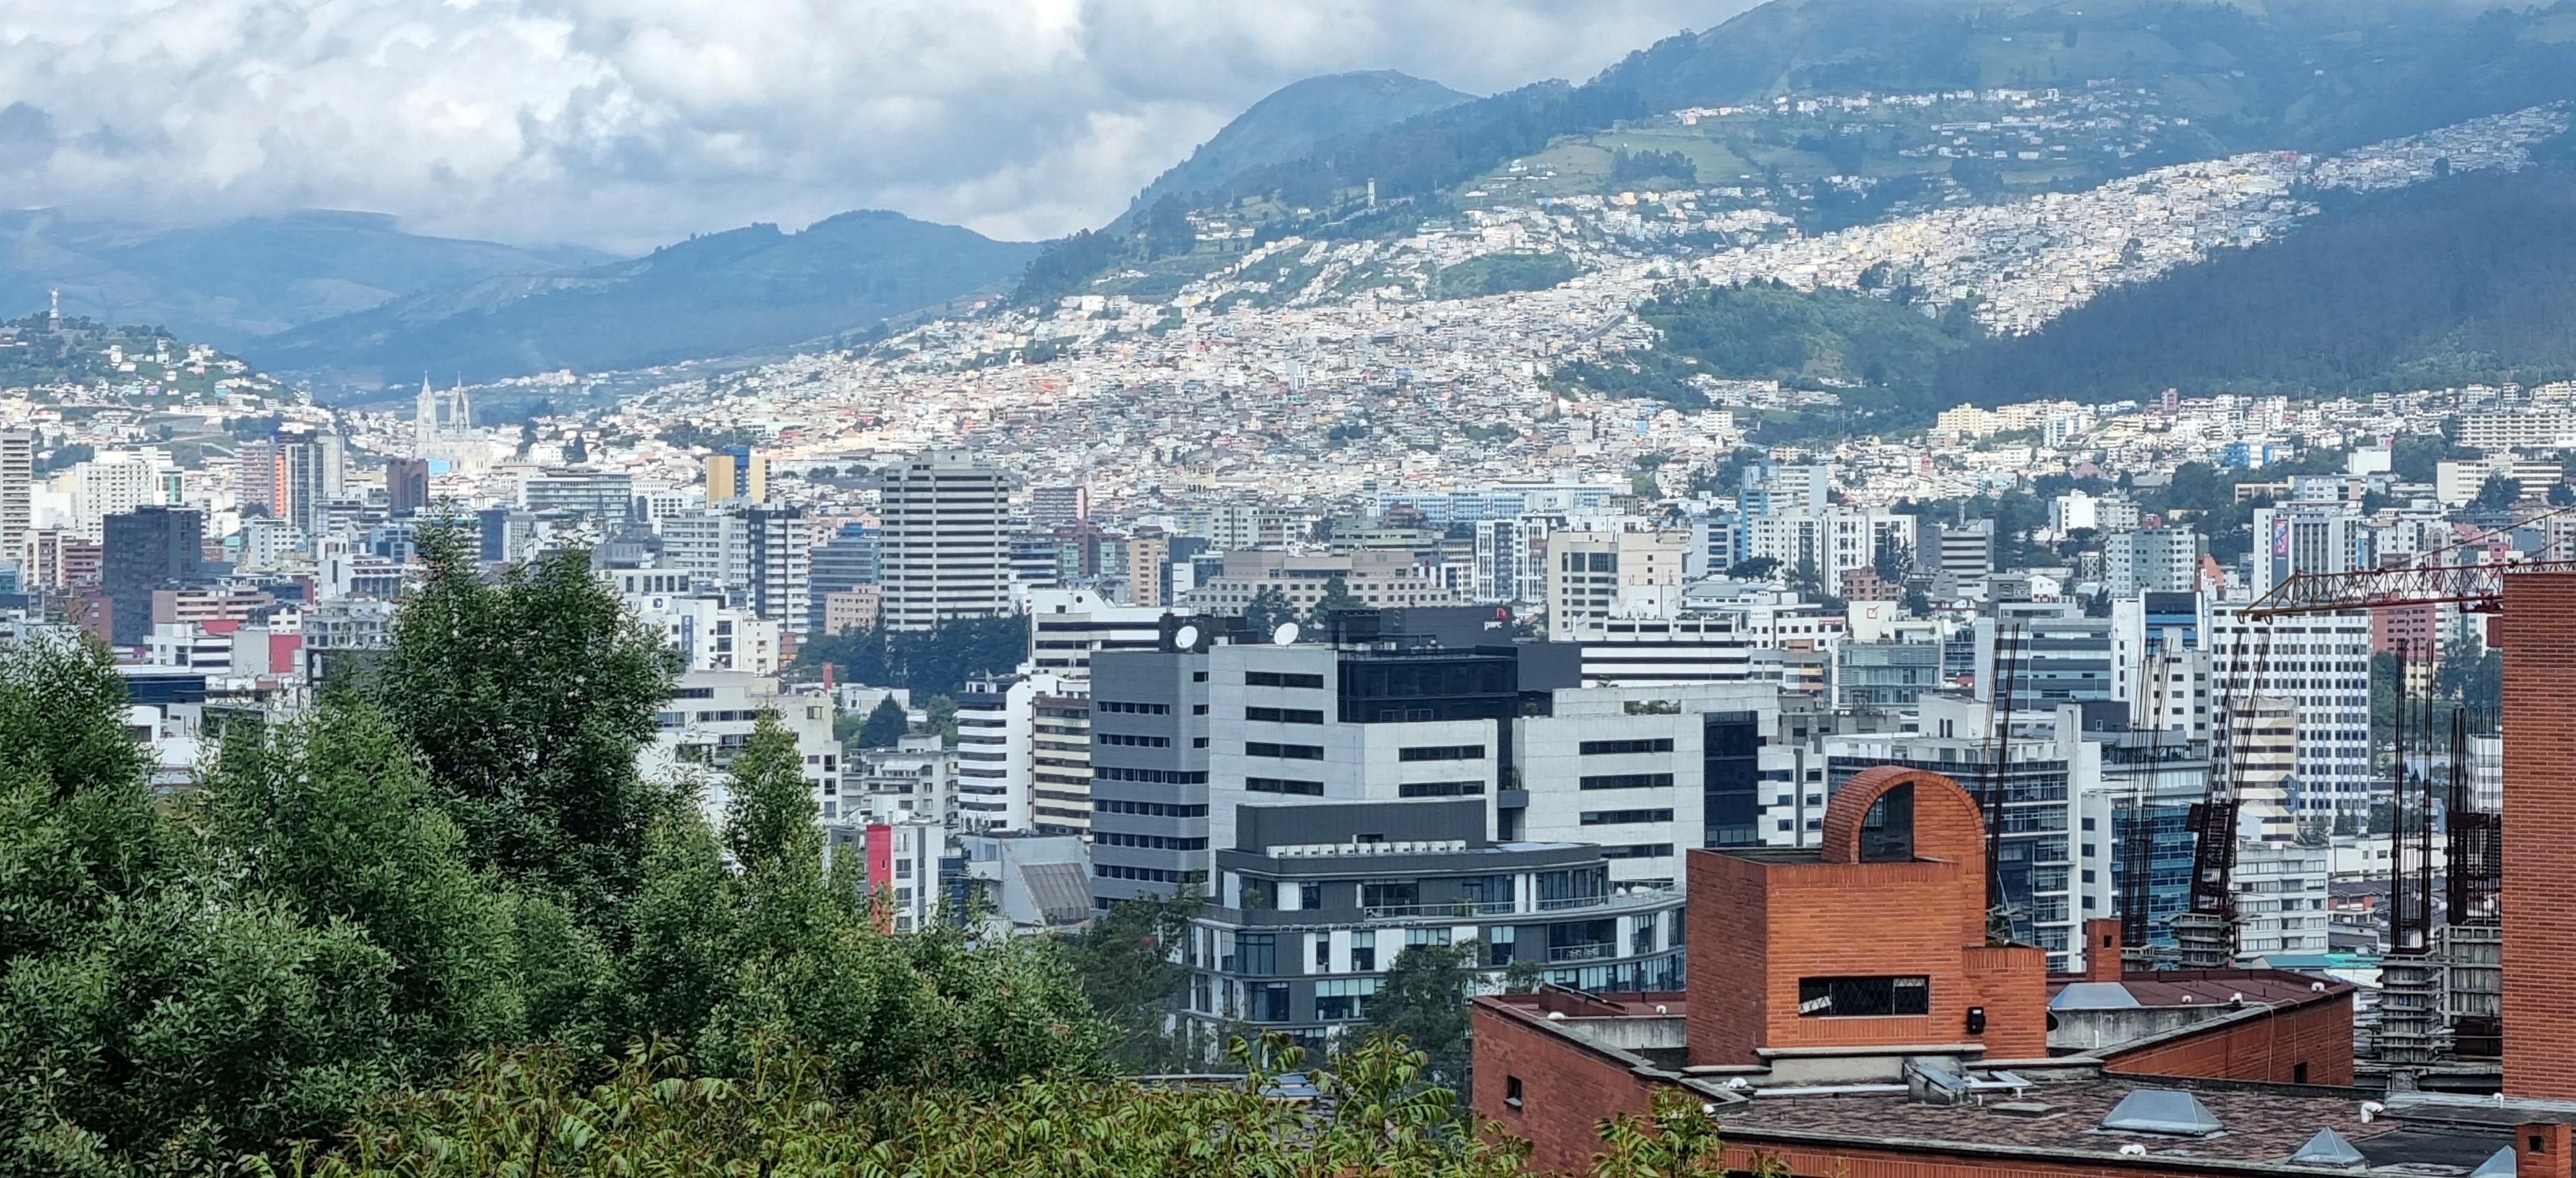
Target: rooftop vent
column 2328, row 1148
column 2162, row 1110
column 2029, row 1110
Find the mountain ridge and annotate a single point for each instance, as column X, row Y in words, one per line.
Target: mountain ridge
column 739, row 290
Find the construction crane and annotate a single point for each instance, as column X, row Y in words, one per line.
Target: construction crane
column 2205, row 930
column 2475, row 588
column 2000, row 923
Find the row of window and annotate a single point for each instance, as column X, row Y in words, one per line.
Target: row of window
column 1130, row 741
column 1441, row 789
column 1151, row 776
column 1282, row 679
column 1617, row 817
column 1275, row 785
column 1139, row 874
column 1149, row 809
column 1637, row 851
column 1151, row 842
column 1284, row 715
column 1124, row 708
column 1627, row 781
column 1442, row 752
column 1285, row 752
column 1598, row 748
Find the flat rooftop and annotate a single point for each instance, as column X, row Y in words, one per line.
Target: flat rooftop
column 2257, row 1126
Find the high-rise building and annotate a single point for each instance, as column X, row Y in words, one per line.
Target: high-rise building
column 311, row 465
column 151, row 547
column 1059, row 506
column 947, row 540
column 1149, row 771
column 1593, row 577
column 111, row 484
column 849, row 560
column 2049, row 652
column 17, row 480
column 604, row 496
column 737, row 473
column 407, row 484
column 777, row 572
column 1149, row 569
column 2330, row 690
column 2152, row 560
column 2308, row 538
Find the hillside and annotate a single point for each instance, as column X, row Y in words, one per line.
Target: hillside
column 232, row 282
column 2309, row 75
column 1293, row 121
column 2467, row 279
column 75, row 360
column 745, row 289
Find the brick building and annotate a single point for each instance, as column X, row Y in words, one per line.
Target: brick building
column 1846, row 1016
column 2538, row 633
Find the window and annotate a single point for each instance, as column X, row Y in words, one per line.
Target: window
column 1123, row 740
column 1256, row 953
column 1863, row 997
column 1616, row 817
column 1442, row 752
column 1310, row 896
column 1342, row 999
column 1512, row 1091
column 1258, row 895
column 1363, row 952
column 1441, row 789
column 1380, row 893
column 1121, row 707
column 1597, row 748
column 1637, row 851
column 1281, row 679
column 1323, row 951
column 1284, row 715
column 1627, row 781
column 1285, row 752
column 1277, row 785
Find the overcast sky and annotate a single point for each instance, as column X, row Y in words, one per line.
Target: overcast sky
column 626, row 123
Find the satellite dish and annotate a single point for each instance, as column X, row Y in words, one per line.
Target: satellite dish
column 1284, row 634
column 1187, row 637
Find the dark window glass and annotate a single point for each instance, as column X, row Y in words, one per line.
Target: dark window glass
column 1863, row 997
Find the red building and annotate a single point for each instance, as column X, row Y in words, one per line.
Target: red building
column 1848, row 1017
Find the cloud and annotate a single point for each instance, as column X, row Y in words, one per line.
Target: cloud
column 626, row 123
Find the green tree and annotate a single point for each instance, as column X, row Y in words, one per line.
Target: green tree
column 1127, row 962
column 530, row 698
column 1266, row 611
column 886, row 724
column 1757, row 568
column 1337, row 598
column 1424, row 999
column 2497, row 493
column 939, row 718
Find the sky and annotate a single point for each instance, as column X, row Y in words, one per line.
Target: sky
column 623, row 124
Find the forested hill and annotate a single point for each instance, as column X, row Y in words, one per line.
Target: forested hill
column 2310, row 75
column 2467, row 279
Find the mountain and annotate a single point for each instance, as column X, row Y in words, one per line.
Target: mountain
column 2308, row 75
column 2462, row 280
column 1293, row 121
column 741, row 290
column 230, row 283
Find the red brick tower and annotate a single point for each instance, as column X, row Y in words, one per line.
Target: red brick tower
column 1878, row 940
column 2538, row 634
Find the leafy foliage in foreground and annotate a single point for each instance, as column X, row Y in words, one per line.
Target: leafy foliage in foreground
column 530, row 1113
column 340, row 914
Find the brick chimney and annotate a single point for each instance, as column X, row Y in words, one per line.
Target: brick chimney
column 2541, row 1151
column 2102, row 949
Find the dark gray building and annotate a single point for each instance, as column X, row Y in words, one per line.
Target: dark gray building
column 1316, row 899
column 148, row 548
column 1149, row 772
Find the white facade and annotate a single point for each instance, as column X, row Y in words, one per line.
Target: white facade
column 711, row 714
column 1068, row 626
column 709, row 634
column 947, row 540
column 1593, row 577
column 2321, row 664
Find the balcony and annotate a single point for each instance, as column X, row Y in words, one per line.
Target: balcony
column 1460, row 908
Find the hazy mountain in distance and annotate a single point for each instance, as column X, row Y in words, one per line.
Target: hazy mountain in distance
column 1293, row 121
column 741, row 290
column 231, row 282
